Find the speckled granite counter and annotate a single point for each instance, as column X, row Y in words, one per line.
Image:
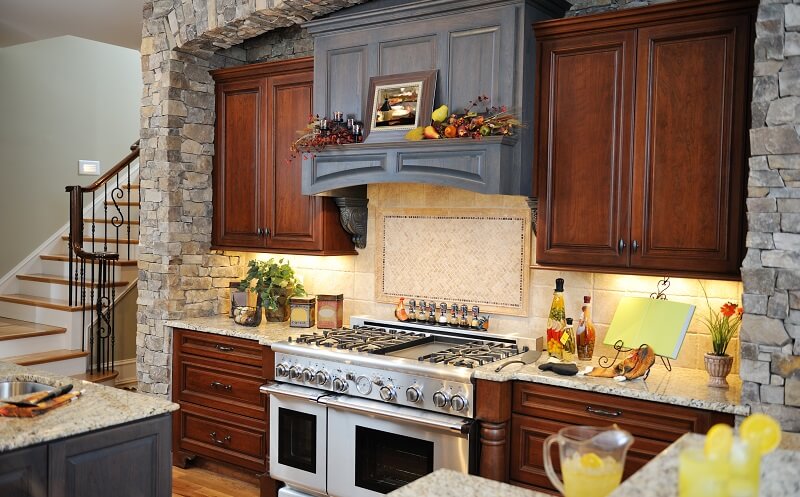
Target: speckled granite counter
column 266, row 333
column 681, row 386
column 448, row 483
column 659, row 477
column 98, row 407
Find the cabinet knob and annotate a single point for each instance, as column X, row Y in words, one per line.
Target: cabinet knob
column 260, row 232
column 266, row 232
column 634, row 246
column 621, row 245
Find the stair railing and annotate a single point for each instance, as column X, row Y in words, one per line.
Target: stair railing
column 99, row 279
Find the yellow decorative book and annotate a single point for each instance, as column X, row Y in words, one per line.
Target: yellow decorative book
column 662, row 324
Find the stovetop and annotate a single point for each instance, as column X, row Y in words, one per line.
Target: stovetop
column 372, row 339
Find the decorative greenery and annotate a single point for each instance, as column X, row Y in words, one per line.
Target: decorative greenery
column 722, row 325
column 271, row 280
column 477, row 120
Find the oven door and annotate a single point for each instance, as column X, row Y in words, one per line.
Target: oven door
column 375, row 448
column 297, row 439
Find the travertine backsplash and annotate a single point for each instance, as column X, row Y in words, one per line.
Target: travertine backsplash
column 355, row 276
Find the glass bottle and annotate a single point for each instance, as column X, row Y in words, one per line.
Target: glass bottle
column 568, row 341
column 412, row 310
column 432, row 313
column 422, row 313
column 463, row 322
column 473, row 323
column 454, row 315
column 585, row 331
column 556, row 322
column 443, row 314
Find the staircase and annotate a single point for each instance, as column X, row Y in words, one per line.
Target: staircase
column 57, row 306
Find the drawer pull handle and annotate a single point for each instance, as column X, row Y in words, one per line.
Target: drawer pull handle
column 224, row 348
column 216, row 384
column 225, row 440
column 603, row 412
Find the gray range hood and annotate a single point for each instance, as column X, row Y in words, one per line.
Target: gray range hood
column 479, row 47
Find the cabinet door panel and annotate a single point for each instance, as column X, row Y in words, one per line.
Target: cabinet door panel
column 584, row 151
column 346, row 72
column 295, row 220
column 471, row 49
column 407, row 55
column 23, row 473
column 239, row 171
column 691, row 103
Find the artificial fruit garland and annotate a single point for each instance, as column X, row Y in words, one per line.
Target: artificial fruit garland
column 493, row 121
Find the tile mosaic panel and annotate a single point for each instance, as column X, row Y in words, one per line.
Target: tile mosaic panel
column 463, row 256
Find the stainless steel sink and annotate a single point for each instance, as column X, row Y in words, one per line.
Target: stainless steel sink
column 10, row 389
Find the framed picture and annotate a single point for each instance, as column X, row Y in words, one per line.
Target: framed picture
column 398, row 103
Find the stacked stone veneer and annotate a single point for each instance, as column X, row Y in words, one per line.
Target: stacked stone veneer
column 182, row 40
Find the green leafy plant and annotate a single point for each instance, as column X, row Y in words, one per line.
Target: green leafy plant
column 271, row 280
column 722, row 325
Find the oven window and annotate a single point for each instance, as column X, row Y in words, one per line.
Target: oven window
column 385, row 461
column 297, row 439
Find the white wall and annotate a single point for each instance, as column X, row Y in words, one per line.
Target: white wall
column 61, row 100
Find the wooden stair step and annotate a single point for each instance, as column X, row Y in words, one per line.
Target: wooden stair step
column 12, row 329
column 132, row 186
column 65, row 258
column 48, row 303
column 98, row 377
column 106, row 221
column 43, row 357
column 122, row 203
column 58, row 280
column 100, row 241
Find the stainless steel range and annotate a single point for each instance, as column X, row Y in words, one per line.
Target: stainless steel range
column 361, row 411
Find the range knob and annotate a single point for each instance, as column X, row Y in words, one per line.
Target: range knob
column 308, row 375
column 339, row 385
column 387, row 393
column 322, row 378
column 413, row 394
column 282, row 369
column 458, row 403
column 294, row 372
column 441, row 399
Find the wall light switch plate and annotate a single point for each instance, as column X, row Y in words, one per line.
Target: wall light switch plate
column 89, row 167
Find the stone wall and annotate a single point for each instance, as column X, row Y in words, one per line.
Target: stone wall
column 771, row 270
column 182, row 40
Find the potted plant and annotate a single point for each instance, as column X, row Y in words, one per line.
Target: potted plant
column 273, row 282
column 722, row 326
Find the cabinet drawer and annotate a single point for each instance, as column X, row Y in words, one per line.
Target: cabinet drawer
column 527, row 458
column 210, row 383
column 642, row 418
column 237, row 350
column 223, row 436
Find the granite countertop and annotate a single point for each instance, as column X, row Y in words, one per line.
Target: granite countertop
column 265, row 334
column 681, row 386
column 659, row 477
column 98, row 407
column 449, row 483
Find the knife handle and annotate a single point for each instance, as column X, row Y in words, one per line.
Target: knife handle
column 55, row 393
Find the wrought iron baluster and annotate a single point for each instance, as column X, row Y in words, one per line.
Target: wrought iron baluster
column 113, row 306
column 105, row 216
column 91, row 315
column 129, row 211
column 94, row 220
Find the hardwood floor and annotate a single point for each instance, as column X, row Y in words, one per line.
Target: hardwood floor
column 200, row 482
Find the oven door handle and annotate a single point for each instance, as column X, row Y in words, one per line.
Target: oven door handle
column 297, row 392
column 459, row 425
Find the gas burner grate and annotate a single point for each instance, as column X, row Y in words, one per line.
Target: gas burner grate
column 472, row 354
column 363, row 339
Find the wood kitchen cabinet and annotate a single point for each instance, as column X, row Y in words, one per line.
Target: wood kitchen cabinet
column 538, row 411
column 223, row 416
column 257, row 199
column 641, row 138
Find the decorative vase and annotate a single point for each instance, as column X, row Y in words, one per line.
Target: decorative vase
column 281, row 313
column 718, row 367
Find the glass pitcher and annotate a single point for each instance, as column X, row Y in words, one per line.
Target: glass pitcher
column 592, row 459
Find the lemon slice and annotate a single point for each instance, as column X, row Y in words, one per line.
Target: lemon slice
column 591, row 460
column 762, row 432
column 719, row 441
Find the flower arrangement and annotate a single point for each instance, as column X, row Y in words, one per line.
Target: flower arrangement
column 477, row 120
column 322, row 132
column 722, row 325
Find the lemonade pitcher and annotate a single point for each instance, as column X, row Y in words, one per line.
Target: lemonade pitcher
column 592, row 459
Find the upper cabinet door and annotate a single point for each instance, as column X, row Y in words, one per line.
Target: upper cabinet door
column 296, row 223
column 239, row 176
column 691, row 105
column 584, row 149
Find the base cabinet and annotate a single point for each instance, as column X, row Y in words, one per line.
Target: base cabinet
column 95, row 464
column 539, row 411
column 223, row 416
